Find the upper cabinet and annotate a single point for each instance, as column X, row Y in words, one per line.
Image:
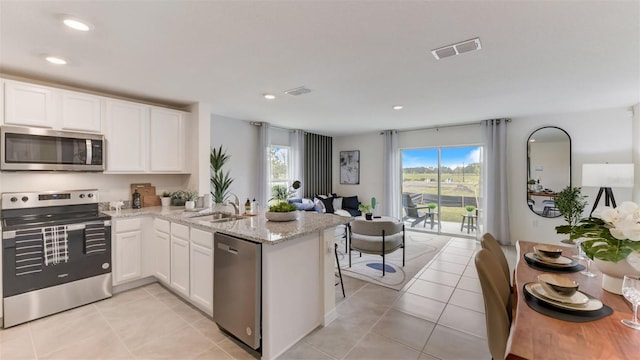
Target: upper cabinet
column 126, row 134
column 82, row 112
column 28, row 104
column 166, row 140
column 140, row 138
column 144, row 139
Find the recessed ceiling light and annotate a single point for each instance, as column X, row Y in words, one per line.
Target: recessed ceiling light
column 77, row 24
column 397, row 107
column 56, row 60
column 269, row 96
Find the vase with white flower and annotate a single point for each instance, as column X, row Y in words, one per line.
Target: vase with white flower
column 613, row 242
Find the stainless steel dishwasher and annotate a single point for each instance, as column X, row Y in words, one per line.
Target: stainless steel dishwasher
column 237, row 288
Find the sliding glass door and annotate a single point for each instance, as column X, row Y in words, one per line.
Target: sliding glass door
column 441, row 189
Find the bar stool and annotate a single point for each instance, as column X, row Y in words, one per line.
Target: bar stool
column 335, row 251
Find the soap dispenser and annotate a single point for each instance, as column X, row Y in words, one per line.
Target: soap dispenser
column 137, row 201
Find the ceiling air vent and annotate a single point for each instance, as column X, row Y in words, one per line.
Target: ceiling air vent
column 457, row 49
column 298, row 91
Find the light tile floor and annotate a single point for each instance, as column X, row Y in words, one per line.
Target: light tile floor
column 438, row 315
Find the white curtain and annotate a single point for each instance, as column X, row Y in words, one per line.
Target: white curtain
column 496, row 210
column 391, row 187
column 263, row 164
column 296, row 139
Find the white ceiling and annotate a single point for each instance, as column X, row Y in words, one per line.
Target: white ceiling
column 358, row 57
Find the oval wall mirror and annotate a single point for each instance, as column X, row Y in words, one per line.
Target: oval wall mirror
column 548, row 169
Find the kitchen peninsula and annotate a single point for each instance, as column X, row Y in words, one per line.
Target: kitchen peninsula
column 298, row 290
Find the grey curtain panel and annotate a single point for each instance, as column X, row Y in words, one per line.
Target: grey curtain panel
column 296, row 139
column 495, row 189
column 263, row 164
column 317, row 164
column 391, row 183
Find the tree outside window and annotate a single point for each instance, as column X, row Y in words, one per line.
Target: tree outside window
column 280, row 164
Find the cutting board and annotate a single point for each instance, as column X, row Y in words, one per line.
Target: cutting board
column 147, row 194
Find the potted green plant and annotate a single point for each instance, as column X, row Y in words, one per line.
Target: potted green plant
column 531, row 184
column 366, row 210
column 165, row 198
column 282, row 210
column 190, row 197
column 220, row 181
column 470, row 209
column 570, row 203
column 432, row 206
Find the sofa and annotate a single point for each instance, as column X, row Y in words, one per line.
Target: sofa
column 329, row 203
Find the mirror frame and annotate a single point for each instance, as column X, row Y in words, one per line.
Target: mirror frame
column 529, row 166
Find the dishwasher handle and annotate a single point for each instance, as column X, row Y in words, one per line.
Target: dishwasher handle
column 227, row 248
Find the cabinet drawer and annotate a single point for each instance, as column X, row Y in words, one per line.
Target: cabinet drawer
column 202, row 238
column 162, row 225
column 127, row 225
column 180, row 231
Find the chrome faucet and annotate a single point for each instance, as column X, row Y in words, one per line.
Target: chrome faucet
column 235, row 204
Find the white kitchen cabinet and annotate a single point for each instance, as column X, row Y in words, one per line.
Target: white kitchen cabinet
column 29, row 104
column 180, row 258
column 162, row 247
column 126, row 252
column 126, row 134
column 82, row 112
column 201, row 270
column 166, row 140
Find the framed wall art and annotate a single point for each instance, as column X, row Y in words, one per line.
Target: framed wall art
column 350, row 167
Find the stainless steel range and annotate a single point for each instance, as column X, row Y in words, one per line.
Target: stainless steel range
column 56, row 253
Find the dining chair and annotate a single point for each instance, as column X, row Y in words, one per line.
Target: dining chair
column 496, row 293
column 376, row 237
column 490, row 243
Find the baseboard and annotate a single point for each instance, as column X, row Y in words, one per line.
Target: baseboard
column 134, row 284
column 329, row 317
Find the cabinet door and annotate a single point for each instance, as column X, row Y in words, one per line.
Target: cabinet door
column 163, row 257
column 126, row 262
column 126, row 136
column 202, row 270
column 166, row 140
column 30, row 105
column 180, row 265
column 81, row 112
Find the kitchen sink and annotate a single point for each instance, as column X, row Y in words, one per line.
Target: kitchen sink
column 220, row 217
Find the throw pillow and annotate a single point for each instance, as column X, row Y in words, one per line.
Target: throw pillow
column 319, row 205
column 337, row 203
column 294, row 200
column 350, row 202
column 304, row 206
column 328, row 205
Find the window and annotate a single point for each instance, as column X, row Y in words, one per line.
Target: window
column 280, row 166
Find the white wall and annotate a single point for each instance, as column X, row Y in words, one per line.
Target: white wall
column 371, row 177
column 636, row 151
column 240, row 140
column 111, row 187
column 596, row 137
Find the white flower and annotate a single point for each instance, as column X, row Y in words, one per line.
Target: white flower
column 607, row 214
column 624, row 221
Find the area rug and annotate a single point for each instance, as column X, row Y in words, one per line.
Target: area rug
column 420, row 249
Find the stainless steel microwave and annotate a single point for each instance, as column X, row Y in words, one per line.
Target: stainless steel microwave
column 25, row 148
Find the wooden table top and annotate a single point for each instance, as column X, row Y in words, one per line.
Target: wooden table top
column 536, row 336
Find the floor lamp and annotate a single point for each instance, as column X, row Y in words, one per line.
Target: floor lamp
column 607, row 176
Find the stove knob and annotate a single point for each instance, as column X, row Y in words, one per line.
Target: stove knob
column 81, row 196
column 90, row 195
column 25, row 199
column 14, row 199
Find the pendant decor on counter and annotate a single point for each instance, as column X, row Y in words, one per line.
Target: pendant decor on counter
column 282, row 216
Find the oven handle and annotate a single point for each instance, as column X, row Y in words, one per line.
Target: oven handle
column 7, row 235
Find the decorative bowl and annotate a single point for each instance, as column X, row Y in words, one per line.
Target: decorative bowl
column 560, row 285
column 281, row 216
column 549, row 251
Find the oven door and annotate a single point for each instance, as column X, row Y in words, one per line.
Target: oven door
column 40, row 257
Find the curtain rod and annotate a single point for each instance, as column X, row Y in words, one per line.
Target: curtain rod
column 445, row 126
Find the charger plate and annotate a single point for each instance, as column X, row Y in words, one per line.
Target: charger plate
column 546, row 308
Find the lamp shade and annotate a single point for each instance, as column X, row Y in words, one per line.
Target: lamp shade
column 607, row 175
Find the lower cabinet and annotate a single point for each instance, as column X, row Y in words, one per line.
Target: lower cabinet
column 180, row 258
column 127, row 250
column 162, row 247
column 201, row 270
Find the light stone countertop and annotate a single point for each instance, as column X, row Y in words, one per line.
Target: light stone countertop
column 255, row 228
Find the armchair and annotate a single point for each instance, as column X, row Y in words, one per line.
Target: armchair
column 379, row 237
